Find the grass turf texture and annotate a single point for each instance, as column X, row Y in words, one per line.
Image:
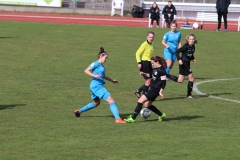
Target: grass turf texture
column 42, row 83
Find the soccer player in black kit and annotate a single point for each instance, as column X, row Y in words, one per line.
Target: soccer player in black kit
column 157, row 86
column 187, row 56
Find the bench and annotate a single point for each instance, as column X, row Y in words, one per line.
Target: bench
column 207, row 17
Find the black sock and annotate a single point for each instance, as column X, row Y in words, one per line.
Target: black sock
column 137, row 110
column 140, row 89
column 155, row 110
column 172, row 77
column 190, row 87
column 145, row 88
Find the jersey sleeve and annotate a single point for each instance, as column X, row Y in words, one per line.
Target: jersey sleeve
column 92, row 66
column 163, row 78
column 182, row 49
column 180, row 36
column 194, row 51
column 165, row 37
column 140, row 52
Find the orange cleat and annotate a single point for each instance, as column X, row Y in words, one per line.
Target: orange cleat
column 119, row 120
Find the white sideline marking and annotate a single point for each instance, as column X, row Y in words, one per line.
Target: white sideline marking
column 195, row 89
column 72, row 18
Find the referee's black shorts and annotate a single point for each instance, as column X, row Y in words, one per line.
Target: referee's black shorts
column 146, row 68
column 185, row 69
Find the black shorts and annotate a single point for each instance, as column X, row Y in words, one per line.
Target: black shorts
column 152, row 94
column 185, row 68
column 146, row 68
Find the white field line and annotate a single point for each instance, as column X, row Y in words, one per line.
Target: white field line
column 72, row 18
column 195, row 89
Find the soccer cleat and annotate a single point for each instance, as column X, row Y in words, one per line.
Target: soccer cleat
column 225, row 30
column 137, row 94
column 77, row 113
column 160, row 118
column 130, row 119
column 119, row 120
column 190, row 96
column 218, row 30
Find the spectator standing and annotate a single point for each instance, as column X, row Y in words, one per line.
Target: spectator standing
column 222, row 11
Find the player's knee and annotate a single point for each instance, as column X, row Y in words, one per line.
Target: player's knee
column 110, row 100
column 96, row 103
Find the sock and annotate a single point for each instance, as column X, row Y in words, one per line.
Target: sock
column 137, row 110
column 172, row 77
column 168, row 69
column 114, row 110
column 190, row 87
column 145, row 88
column 140, row 89
column 155, row 110
column 87, row 107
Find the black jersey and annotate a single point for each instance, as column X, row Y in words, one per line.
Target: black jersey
column 156, row 82
column 187, row 52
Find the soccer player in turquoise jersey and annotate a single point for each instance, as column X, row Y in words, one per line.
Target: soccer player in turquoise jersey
column 171, row 42
column 97, row 71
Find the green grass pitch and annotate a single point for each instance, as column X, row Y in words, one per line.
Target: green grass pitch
column 42, row 82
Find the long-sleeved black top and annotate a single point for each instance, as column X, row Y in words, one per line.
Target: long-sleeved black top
column 187, row 52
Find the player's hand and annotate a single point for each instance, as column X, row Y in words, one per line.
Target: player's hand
column 161, row 95
column 139, row 66
column 97, row 75
column 194, row 61
column 114, row 81
column 180, row 62
column 167, row 46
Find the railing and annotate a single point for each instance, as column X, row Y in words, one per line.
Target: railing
column 190, row 1
column 189, row 10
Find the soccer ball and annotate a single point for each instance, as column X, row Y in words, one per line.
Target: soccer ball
column 145, row 113
column 195, row 25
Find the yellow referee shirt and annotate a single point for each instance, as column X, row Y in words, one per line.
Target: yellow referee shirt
column 145, row 52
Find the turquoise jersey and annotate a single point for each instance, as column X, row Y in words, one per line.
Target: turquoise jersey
column 97, row 68
column 172, row 39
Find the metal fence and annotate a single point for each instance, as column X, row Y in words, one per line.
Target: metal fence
column 191, row 1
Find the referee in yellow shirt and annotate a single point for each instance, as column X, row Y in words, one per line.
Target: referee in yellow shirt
column 143, row 56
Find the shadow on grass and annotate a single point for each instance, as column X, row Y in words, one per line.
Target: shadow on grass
column 180, row 118
column 5, row 37
column 121, row 115
column 218, row 94
column 10, row 106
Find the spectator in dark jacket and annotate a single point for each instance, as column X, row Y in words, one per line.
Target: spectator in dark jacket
column 222, row 11
column 154, row 14
column 169, row 11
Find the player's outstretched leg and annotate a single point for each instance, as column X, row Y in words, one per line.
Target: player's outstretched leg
column 158, row 112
